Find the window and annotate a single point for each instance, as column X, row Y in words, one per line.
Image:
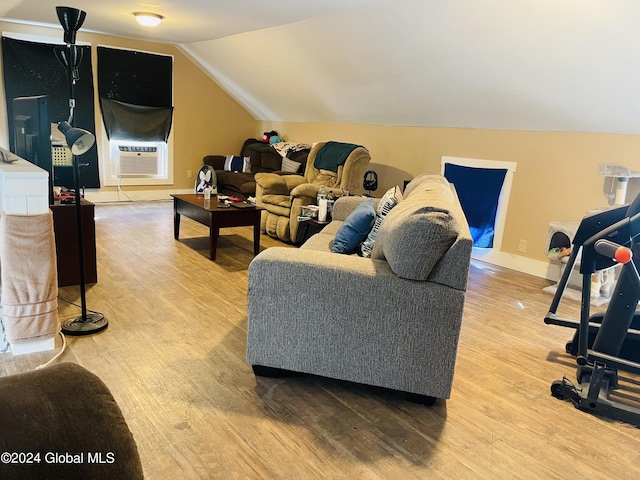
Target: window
column 135, row 91
column 31, row 68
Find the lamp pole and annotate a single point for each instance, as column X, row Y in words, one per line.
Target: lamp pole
column 76, row 187
column 79, row 141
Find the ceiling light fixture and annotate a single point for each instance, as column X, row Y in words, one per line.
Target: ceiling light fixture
column 148, row 19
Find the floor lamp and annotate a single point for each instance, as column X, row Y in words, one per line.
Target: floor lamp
column 79, row 141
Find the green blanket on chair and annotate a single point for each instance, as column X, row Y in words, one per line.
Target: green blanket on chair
column 333, row 154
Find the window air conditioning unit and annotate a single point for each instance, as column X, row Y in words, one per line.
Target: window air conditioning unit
column 138, row 161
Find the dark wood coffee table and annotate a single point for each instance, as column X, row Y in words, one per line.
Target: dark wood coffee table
column 209, row 213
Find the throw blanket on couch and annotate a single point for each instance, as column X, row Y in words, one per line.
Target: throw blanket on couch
column 29, row 277
column 286, row 149
column 261, row 147
column 332, row 155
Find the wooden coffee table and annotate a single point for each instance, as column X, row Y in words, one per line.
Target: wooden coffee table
column 209, row 213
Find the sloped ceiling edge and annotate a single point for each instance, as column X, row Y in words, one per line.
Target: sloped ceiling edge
column 493, row 64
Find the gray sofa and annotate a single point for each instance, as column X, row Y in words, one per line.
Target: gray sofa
column 392, row 320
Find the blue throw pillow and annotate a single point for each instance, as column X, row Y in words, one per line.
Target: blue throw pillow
column 355, row 228
column 234, row 163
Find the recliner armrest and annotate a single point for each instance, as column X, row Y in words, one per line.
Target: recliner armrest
column 306, row 190
column 274, row 184
column 311, row 190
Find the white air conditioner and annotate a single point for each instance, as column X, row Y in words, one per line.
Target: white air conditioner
column 138, row 161
column 132, row 162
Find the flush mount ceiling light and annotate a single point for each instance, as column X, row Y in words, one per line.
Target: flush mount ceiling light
column 148, row 19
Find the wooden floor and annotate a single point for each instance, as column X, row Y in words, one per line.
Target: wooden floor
column 173, row 357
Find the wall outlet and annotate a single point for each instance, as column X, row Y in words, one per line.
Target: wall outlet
column 189, row 173
column 522, row 246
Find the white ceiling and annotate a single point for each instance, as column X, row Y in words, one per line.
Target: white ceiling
column 553, row 65
column 184, row 21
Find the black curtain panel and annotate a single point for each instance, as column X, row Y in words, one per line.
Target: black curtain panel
column 30, row 69
column 479, row 192
column 124, row 121
column 136, row 94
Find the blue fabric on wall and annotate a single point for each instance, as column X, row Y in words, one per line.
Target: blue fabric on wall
column 479, row 191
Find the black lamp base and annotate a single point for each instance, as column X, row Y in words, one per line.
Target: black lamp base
column 91, row 323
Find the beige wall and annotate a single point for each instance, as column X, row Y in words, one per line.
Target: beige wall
column 556, row 178
column 206, row 119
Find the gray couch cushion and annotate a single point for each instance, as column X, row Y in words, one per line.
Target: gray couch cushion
column 320, row 242
column 416, row 233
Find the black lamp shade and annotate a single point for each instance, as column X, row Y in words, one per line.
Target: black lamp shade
column 79, row 140
column 71, row 20
column 68, row 56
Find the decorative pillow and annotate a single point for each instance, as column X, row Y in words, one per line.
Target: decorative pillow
column 355, row 228
column 416, row 233
column 234, row 163
column 389, row 200
column 289, row 165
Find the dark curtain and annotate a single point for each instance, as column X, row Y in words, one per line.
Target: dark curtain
column 135, row 91
column 32, row 69
column 479, row 191
column 124, row 121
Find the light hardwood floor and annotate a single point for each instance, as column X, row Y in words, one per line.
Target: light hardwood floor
column 173, row 357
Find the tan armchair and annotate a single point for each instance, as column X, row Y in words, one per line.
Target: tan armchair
column 282, row 196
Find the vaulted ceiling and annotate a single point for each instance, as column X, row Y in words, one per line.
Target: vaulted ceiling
column 553, row 65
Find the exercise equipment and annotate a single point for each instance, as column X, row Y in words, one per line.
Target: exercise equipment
column 598, row 364
column 591, row 262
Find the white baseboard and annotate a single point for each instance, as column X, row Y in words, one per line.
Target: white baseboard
column 104, row 196
column 516, row 262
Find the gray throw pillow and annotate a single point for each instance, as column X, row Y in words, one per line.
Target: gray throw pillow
column 289, row 165
column 415, row 234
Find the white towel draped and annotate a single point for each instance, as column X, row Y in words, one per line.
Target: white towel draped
column 29, row 277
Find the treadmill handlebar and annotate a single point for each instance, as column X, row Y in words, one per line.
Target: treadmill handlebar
column 619, row 253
